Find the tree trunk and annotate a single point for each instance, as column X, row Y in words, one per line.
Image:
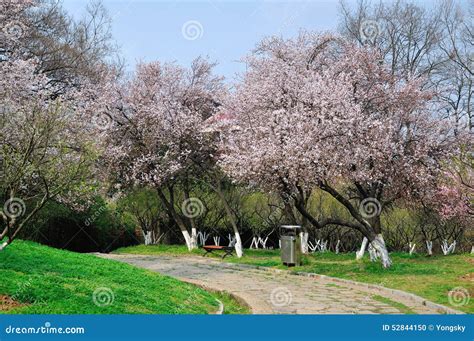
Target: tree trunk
column 238, row 245
column 12, row 228
column 174, row 216
column 429, row 247
column 304, row 241
column 231, row 216
column 3, row 246
column 363, row 246
column 187, row 239
column 147, row 237
column 288, row 211
column 379, row 244
column 373, row 253
column 194, row 242
column 304, row 235
column 191, row 219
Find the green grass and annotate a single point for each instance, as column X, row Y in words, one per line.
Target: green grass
column 429, row 277
column 51, row 281
column 400, row 306
column 231, row 306
column 156, row 249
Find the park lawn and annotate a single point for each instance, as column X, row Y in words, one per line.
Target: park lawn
column 428, row 277
column 37, row 279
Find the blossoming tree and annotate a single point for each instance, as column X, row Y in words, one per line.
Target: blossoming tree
column 157, row 133
column 45, row 152
column 319, row 112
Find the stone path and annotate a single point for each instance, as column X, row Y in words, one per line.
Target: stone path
column 272, row 293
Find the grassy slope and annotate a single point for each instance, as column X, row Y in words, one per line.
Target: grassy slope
column 51, row 281
column 429, row 277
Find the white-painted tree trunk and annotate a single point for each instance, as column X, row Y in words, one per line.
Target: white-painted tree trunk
column 472, row 250
column 147, row 237
column 194, row 239
column 217, row 240
column 323, row 246
column 254, row 244
column 187, row 239
column 202, row 238
column 429, row 247
column 447, row 249
column 3, row 246
column 411, row 248
column 379, row 245
column 263, row 242
column 231, row 240
column 238, row 245
column 231, row 215
column 151, row 238
column 337, row 246
column 372, row 253
column 304, row 241
column 363, row 246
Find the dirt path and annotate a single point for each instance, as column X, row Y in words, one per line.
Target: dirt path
column 274, row 293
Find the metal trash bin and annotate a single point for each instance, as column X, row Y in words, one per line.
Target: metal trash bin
column 290, row 245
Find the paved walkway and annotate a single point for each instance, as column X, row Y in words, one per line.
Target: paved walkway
column 272, row 293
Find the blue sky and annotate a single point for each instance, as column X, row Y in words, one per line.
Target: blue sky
column 225, row 30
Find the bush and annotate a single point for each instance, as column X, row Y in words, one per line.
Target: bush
column 99, row 229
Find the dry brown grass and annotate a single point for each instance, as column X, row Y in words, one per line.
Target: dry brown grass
column 7, row 303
